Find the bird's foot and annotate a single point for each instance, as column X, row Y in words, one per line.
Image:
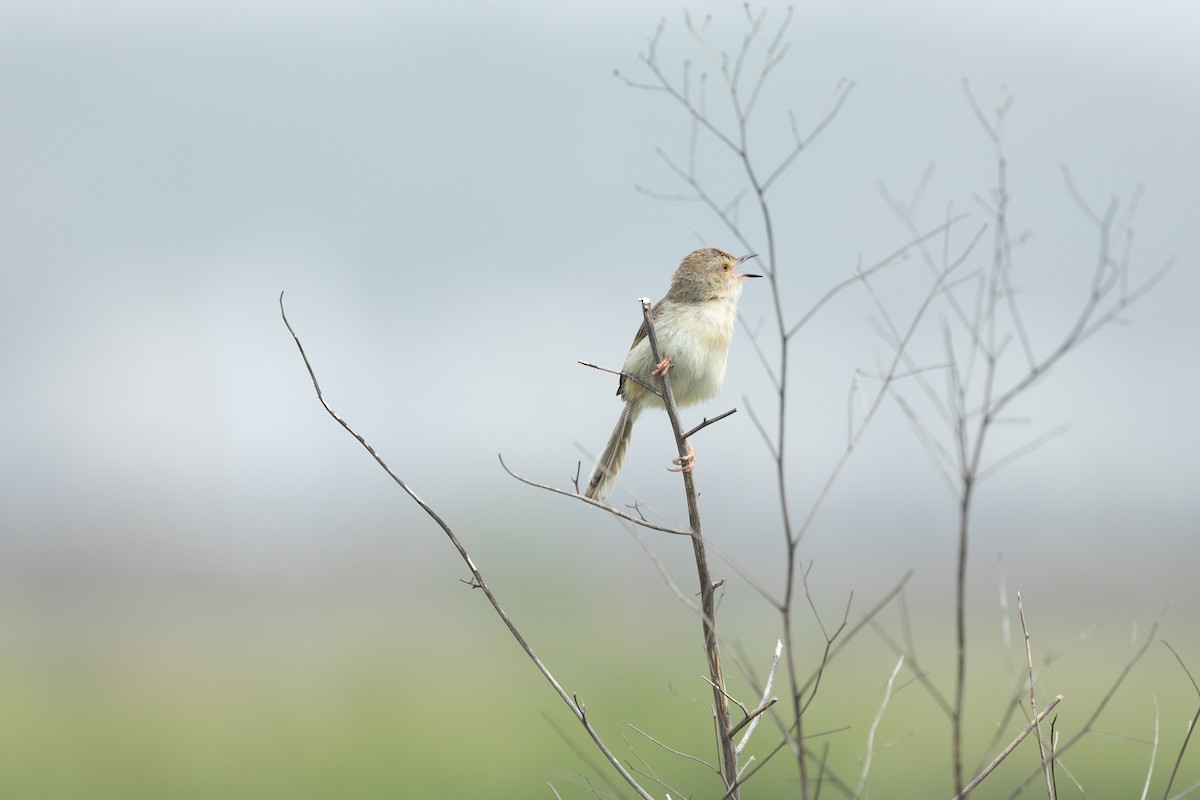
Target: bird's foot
column 684, row 463
column 662, row 367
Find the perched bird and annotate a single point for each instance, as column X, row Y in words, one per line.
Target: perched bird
column 693, row 325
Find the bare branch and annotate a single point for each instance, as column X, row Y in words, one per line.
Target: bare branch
column 1153, row 751
column 978, row 779
column 1097, row 711
column 766, row 437
column 1001, row 110
column 1190, row 728
column 625, row 375
column 870, row 749
column 1037, row 729
column 615, row 512
column 477, row 581
column 849, row 634
column 648, row 771
column 672, row 750
column 752, row 719
column 663, row 572
column 774, row 55
column 1021, row 451
column 673, row 198
column 860, row 274
column 1073, row 190
column 1186, row 791
column 729, row 756
column 1014, row 703
column 897, row 359
column 762, row 357
column 842, row 92
column 704, row 197
column 585, row 758
column 709, row 421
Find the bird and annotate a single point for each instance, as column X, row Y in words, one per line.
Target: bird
column 694, row 325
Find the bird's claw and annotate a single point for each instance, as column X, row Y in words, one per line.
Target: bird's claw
column 684, row 463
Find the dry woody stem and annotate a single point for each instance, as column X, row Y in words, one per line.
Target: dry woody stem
column 729, row 753
column 477, row 581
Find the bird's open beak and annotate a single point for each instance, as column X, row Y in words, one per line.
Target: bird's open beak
column 743, row 260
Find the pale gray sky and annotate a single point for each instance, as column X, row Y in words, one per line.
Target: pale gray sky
column 446, row 192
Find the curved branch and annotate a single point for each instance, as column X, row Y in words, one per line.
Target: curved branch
column 477, row 581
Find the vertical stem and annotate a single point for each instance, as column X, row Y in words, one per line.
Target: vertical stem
column 960, row 610
column 781, row 467
column 708, row 605
column 729, row 756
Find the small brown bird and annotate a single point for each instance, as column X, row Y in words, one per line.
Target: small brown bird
column 694, row 325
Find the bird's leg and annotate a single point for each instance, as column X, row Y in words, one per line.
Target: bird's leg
column 685, row 463
column 662, row 367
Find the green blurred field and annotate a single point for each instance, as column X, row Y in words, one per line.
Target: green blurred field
column 353, row 692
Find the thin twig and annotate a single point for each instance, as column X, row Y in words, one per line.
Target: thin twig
column 919, row 673
column 1096, row 712
column 870, row 749
column 978, row 779
column 1153, row 751
column 625, row 375
column 764, row 704
column 1014, row 703
column 1191, row 725
column 849, row 633
column 709, row 421
column 610, row 509
column 860, row 274
column 1037, row 729
column 1021, row 451
column 672, row 750
column 585, row 758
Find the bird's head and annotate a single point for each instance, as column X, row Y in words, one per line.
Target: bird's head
column 708, row 274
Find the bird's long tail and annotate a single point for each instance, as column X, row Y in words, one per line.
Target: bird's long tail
column 604, row 474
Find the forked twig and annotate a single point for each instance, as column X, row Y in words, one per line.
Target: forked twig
column 645, row 523
column 753, row 717
column 1086, row 728
column 978, row 779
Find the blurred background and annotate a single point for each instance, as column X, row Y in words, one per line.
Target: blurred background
column 207, row 589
